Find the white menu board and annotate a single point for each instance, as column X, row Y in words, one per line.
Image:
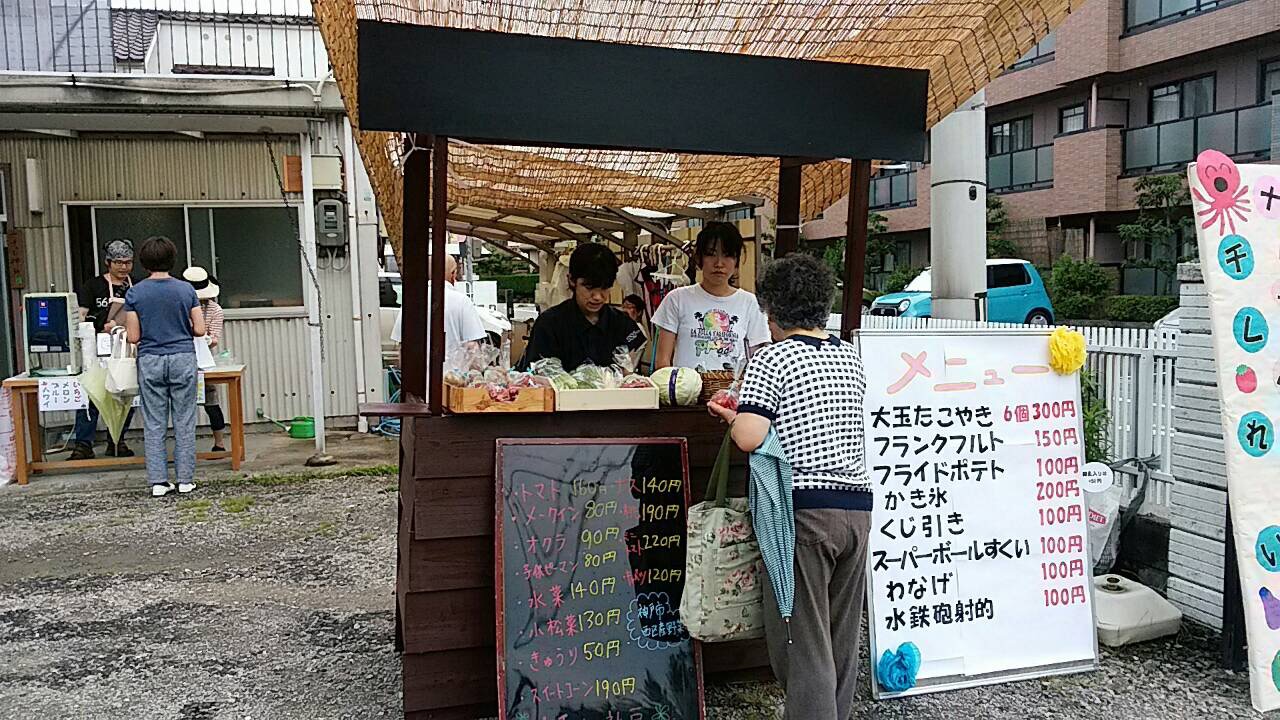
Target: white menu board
column 978, row 550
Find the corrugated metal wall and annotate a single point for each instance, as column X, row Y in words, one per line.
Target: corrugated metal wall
column 276, row 353
column 113, row 169
column 191, row 170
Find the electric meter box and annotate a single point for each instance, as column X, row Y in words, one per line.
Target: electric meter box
column 331, row 225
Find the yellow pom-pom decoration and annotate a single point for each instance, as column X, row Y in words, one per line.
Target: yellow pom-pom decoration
column 1066, row 351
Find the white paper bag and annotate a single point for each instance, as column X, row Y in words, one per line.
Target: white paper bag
column 204, row 356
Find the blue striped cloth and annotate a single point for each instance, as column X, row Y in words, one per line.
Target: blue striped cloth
column 774, row 519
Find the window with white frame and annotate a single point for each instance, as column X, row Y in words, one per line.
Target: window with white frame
column 1071, row 119
column 252, row 250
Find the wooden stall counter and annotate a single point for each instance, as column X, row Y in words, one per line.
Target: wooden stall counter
column 27, row 432
column 445, row 570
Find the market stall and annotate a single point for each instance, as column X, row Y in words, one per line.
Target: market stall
column 446, row 569
column 28, row 435
column 73, row 368
column 422, row 85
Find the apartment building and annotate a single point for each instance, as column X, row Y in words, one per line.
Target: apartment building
column 1123, row 89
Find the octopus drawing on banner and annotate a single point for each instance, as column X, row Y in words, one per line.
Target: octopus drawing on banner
column 1222, row 191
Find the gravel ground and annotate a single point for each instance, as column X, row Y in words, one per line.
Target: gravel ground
column 273, row 599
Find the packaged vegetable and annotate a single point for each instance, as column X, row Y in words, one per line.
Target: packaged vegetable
column 636, row 381
column 624, row 360
column 678, row 386
column 726, row 399
column 590, row 376
column 553, row 370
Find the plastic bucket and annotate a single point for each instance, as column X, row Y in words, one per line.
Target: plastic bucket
column 302, row 428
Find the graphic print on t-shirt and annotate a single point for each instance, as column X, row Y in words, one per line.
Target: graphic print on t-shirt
column 712, row 332
column 714, row 336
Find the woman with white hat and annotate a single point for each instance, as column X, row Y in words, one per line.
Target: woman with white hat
column 207, row 292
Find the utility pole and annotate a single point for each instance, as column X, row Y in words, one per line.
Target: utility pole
column 958, row 212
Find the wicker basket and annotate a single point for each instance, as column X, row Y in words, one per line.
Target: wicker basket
column 713, row 382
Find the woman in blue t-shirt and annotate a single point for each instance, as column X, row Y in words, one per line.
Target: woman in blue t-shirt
column 163, row 315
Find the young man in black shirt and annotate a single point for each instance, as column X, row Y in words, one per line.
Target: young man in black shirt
column 585, row 327
column 102, row 300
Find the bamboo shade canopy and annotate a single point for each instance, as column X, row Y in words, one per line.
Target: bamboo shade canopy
column 963, row 44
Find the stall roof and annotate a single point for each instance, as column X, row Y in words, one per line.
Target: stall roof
column 963, row 44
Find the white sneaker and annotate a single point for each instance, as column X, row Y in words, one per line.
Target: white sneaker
column 161, row 489
column 185, row 488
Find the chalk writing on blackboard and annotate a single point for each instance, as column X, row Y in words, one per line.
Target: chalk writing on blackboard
column 590, row 564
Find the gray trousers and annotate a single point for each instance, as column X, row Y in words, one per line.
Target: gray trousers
column 819, row 668
column 167, row 385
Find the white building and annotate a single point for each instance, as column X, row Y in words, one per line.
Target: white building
column 216, row 126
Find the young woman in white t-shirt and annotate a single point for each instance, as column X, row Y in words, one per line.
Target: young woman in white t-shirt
column 711, row 325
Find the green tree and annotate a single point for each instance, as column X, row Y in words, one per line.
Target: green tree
column 997, row 221
column 879, row 245
column 1154, row 240
column 899, row 278
column 1078, row 288
column 501, row 264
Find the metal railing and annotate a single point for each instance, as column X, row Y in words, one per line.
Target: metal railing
column 1145, row 14
column 1021, row 169
column 253, row 38
column 1241, row 133
column 893, row 190
column 1042, row 52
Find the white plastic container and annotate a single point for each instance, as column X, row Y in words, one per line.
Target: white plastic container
column 1130, row 612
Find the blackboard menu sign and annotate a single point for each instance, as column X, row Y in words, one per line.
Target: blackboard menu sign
column 590, row 570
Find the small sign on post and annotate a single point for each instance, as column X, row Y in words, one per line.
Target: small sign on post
column 62, row 394
column 1096, row 477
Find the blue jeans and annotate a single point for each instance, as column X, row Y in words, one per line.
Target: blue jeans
column 167, row 385
column 87, row 425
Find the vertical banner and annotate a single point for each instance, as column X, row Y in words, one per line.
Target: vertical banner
column 978, row 549
column 1237, row 212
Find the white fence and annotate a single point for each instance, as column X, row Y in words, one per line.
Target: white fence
column 1134, row 369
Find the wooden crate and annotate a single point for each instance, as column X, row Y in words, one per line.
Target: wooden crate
column 477, row 400
column 615, row 399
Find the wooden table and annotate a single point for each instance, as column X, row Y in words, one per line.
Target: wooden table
column 26, row 427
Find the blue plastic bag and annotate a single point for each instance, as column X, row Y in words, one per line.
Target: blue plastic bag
column 896, row 671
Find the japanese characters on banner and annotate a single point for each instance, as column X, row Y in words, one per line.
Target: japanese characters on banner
column 1237, row 211
column 978, row 551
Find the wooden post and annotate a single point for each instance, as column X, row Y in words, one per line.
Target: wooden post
column 415, row 224
column 855, row 246
column 787, row 238
column 439, row 236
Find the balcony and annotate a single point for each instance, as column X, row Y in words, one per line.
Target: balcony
column 1043, row 52
column 1141, row 15
column 160, row 38
column 893, row 190
column 1029, row 169
column 1243, row 133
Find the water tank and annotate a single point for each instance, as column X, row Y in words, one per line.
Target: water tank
column 1129, row 612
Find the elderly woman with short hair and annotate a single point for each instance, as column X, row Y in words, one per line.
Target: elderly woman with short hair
column 807, row 388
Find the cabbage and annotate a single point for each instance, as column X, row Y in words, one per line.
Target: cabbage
column 678, row 386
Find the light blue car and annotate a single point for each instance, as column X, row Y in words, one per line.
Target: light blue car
column 1015, row 294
